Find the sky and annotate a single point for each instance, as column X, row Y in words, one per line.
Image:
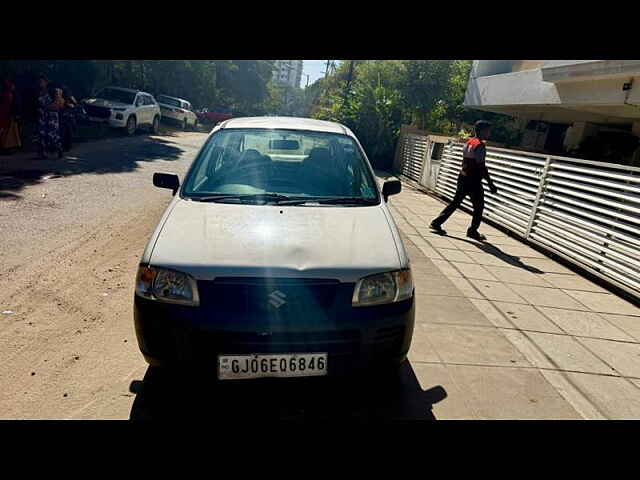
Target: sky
column 315, row 70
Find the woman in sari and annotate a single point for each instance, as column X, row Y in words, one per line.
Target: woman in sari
column 9, row 132
column 49, row 104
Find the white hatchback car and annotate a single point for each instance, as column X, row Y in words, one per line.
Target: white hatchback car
column 177, row 110
column 278, row 257
column 124, row 108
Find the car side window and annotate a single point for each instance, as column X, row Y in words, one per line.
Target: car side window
column 139, row 101
column 151, row 100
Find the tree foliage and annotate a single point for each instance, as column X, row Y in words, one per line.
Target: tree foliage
column 384, row 94
column 242, row 85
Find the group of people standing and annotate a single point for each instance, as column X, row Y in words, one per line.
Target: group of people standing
column 55, row 118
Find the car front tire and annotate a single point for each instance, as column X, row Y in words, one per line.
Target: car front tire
column 132, row 125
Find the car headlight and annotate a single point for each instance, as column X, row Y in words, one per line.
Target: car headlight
column 118, row 109
column 383, row 288
column 166, row 285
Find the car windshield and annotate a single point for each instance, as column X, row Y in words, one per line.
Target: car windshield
column 291, row 163
column 169, row 101
column 115, row 95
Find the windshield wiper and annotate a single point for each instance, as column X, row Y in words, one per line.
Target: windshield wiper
column 330, row 201
column 274, row 197
column 348, row 201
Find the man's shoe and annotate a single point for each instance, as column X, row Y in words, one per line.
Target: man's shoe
column 476, row 236
column 437, row 229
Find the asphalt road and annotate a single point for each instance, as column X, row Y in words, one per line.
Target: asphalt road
column 71, row 235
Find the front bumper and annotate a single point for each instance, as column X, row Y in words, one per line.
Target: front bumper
column 361, row 339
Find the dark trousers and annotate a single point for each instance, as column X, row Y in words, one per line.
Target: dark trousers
column 476, row 193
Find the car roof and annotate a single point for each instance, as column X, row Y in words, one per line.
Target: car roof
column 174, row 98
column 287, row 123
column 130, row 90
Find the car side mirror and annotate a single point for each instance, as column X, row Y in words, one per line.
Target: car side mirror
column 166, row 180
column 391, row 187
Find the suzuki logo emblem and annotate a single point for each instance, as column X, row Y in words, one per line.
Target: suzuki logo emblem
column 277, row 299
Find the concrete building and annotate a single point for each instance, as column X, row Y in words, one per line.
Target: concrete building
column 288, row 72
column 560, row 103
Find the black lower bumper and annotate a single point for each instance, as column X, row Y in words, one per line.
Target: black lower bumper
column 368, row 338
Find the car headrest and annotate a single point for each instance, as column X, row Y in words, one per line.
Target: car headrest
column 319, row 157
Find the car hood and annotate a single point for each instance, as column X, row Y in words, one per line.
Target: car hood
column 209, row 240
column 99, row 102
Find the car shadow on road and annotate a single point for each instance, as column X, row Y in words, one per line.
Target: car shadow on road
column 111, row 156
column 165, row 395
column 496, row 252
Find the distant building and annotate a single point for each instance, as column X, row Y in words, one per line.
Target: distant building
column 288, row 72
column 561, row 103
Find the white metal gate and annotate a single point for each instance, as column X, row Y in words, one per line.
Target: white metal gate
column 587, row 212
column 413, row 150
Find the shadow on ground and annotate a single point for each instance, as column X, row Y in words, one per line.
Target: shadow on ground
column 109, row 156
column 496, row 252
column 392, row 398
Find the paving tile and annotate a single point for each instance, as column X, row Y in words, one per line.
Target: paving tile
column 528, row 348
column 446, row 268
column 421, row 348
column 605, row 302
column 457, row 405
column 568, row 354
column 624, row 357
column 615, row 397
column 526, row 317
column 473, row 345
column 585, row 324
column 439, row 241
column 483, row 258
column 572, row 282
column 547, row 297
column 454, row 255
column 430, row 252
column 547, row 265
column 437, row 285
column 497, row 291
column 466, row 288
column 472, row 270
column 491, row 313
column 522, row 251
column 449, row 310
column 517, row 276
column 417, row 240
column 629, row 324
column 511, row 393
column 423, row 266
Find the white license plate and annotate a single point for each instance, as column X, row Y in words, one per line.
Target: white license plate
column 272, row 365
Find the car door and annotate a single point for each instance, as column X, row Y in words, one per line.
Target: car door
column 141, row 110
column 153, row 107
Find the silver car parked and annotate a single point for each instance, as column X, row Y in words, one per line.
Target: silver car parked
column 278, row 257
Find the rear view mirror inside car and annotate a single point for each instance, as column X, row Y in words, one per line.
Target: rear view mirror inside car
column 284, row 145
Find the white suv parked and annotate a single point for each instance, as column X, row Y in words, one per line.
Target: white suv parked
column 177, row 110
column 124, row 108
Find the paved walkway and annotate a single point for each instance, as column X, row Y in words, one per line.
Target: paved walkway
column 510, row 333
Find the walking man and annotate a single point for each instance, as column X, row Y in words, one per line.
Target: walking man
column 474, row 169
